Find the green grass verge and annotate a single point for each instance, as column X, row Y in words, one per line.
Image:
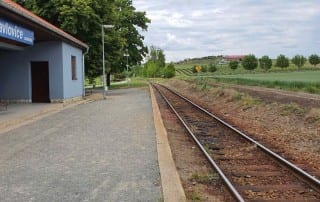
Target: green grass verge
column 134, row 83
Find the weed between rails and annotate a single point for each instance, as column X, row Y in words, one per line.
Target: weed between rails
column 203, row 179
column 292, row 109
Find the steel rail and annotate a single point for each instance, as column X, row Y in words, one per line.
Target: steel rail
column 232, row 189
column 306, row 177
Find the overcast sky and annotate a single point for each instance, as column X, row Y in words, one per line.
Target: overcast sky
column 195, row 28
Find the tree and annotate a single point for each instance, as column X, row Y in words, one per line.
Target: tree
column 233, row 64
column 250, row 62
column 314, row 59
column 299, row 60
column 83, row 19
column 169, row 71
column 155, row 63
column 157, row 56
column 265, row 62
column 151, row 69
column 282, row 61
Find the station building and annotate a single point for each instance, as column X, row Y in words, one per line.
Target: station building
column 38, row 61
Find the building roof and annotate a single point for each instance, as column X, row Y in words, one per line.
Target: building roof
column 233, row 57
column 19, row 10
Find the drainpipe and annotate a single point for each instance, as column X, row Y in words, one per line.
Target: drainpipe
column 83, row 73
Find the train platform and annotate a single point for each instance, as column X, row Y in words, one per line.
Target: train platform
column 106, row 150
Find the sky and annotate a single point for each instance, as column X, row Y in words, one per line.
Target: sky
column 197, row 28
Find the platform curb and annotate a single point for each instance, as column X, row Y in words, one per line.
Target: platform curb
column 170, row 179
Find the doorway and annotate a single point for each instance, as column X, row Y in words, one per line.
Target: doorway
column 40, row 81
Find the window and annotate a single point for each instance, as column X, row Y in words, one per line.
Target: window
column 73, row 67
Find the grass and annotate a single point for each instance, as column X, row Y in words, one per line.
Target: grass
column 304, row 76
column 292, row 109
column 193, row 196
column 134, row 82
column 203, row 179
column 307, row 81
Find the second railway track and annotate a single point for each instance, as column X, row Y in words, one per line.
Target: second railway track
column 251, row 171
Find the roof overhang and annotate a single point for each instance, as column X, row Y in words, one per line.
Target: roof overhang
column 43, row 30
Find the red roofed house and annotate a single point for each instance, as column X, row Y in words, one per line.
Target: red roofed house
column 227, row 58
column 38, row 61
column 233, row 57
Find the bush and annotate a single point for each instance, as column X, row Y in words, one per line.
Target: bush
column 137, row 70
column 212, row 67
column 265, row 62
column 250, row 62
column 233, row 64
column 169, row 71
column 204, row 68
column 119, row 76
column 282, row 61
column 314, row 59
column 194, row 69
column 151, row 69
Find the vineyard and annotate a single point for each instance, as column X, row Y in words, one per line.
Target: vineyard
column 187, row 72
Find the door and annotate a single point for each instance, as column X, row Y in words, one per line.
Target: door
column 40, row 81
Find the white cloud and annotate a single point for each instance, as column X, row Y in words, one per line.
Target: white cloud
column 186, row 28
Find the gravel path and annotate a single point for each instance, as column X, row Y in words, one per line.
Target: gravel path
column 101, row 151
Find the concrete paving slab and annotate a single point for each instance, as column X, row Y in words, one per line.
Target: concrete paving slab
column 100, row 151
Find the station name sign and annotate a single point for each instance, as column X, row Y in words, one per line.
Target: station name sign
column 15, row 32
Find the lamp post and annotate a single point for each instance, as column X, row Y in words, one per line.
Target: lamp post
column 127, row 65
column 103, row 59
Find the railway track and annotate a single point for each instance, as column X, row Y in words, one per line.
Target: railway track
column 250, row 171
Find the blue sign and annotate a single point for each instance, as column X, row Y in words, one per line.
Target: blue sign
column 15, row 32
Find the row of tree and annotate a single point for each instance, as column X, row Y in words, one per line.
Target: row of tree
column 156, row 65
column 84, row 20
column 250, row 62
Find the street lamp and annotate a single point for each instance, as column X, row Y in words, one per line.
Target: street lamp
column 127, row 65
column 103, row 59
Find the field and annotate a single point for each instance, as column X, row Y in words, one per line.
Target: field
column 307, row 81
column 304, row 76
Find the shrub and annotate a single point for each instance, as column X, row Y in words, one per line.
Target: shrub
column 282, row 61
column 250, row 62
column 212, row 67
column 119, row 76
column 151, row 69
column 298, row 60
column 204, row 68
column 265, row 62
column 169, row 71
column 314, row 59
column 194, row 69
column 233, row 64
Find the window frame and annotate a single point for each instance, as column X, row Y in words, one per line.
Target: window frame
column 74, row 68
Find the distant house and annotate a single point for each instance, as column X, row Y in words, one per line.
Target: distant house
column 227, row 58
column 233, row 57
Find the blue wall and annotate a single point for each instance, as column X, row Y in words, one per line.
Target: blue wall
column 72, row 88
column 15, row 71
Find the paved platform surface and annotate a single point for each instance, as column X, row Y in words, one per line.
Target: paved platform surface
column 100, row 151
